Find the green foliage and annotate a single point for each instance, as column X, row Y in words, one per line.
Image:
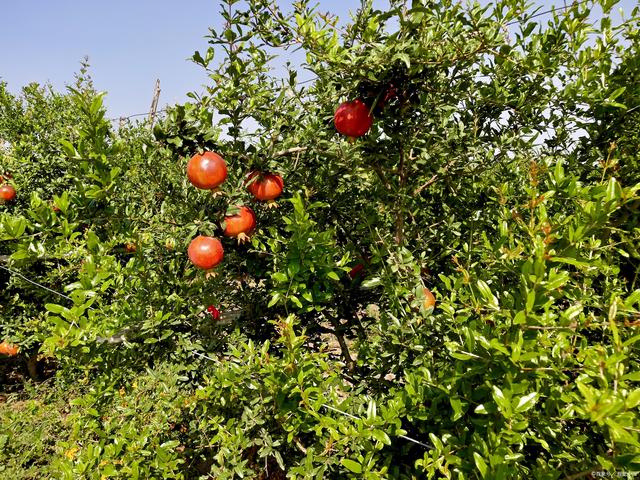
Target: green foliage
column 476, row 181
column 32, row 426
column 306, row 272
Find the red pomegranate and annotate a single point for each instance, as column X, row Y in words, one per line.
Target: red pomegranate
column 207, row 171
column 356, row 271
column 267, row 186
column 240, row 224
column 7, row 193
column 353, row 119
column 205, row 252
column 8, row 349
column 215, row 313
column 429, row 299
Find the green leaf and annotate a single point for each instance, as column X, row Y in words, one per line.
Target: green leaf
column 404, row 58
column 197, row 58
column 616, row 94
column 557, row 281
column 20, row 255
column 531, row 300
column 571, row 261
column 372, row 282
column 614, row 192
column 457, row 406
column 520, row 318
column 632, row 299
column 573, row 311
column 53, row 308
column 371, row 409
column 503, row 403
column 275, row 298
column 437, row 443
column 489, row 297
column 481, row 465
column 68, row 149
column 620, row 434
column 381, row 436
column 632, row 376
column 351, row 465
column 460, row 355
column 96, row 104
column 631, row 340
column 295, row 300
column 633, row 399
column 615, row 104
column 526, row 402
column 280, row 277
column 333, row 275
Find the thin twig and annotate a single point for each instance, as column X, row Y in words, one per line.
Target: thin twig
column 403, row 180
column 434, row 178
column 552, row 10
column 289, row 151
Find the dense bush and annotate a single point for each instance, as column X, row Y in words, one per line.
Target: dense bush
column 500, row 173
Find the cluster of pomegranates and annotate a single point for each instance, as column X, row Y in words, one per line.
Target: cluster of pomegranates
column 208, row 171
column 7, row 192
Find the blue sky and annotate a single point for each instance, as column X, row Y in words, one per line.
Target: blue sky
column 130, row 43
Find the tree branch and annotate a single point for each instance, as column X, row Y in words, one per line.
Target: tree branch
column 433, row 179
column 289, row 151
column 343, row 344
column 400, row 216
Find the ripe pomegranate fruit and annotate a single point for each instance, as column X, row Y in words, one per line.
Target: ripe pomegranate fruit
column 7, row 193
column 215, row 313
column 267, row 186
column 429, row 299
column 8, row 349
column 241, row 224
column 353, row 119
column 207, row 171
column 205, row 252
